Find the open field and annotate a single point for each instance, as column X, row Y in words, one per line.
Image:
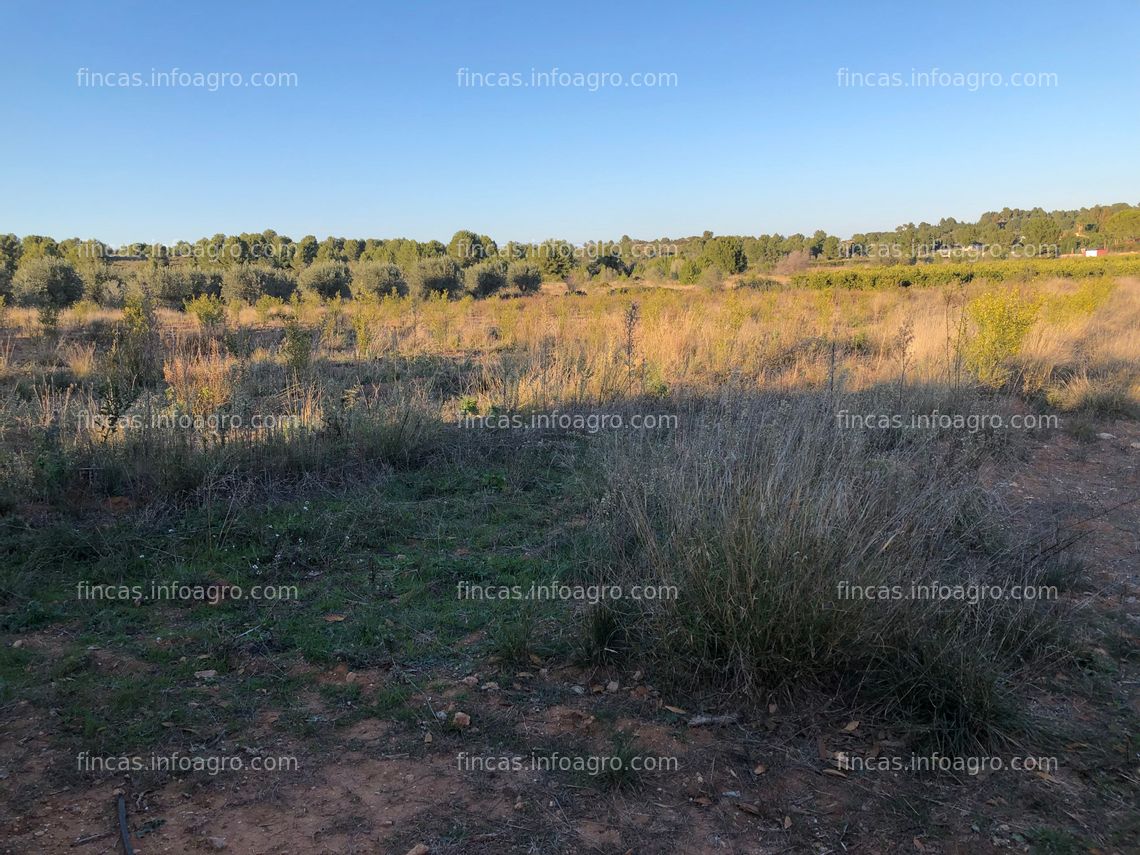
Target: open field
column 735, row 499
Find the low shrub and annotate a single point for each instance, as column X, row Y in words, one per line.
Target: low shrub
column 1002, row 320
column 209, row 311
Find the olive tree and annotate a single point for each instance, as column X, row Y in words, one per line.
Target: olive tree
column 524, row 276
column 487, row 277
column 326, row 279
column 46, row 281
column 378, row 279
column 435, row 276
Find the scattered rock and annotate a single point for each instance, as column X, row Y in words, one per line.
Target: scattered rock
column 419, row 849
column 1106, row 436
column 612, row 686
column 702, row 720
column 206, row 675
column 461, row 720
column 216, row 842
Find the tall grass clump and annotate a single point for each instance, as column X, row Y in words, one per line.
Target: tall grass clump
column 773, row 522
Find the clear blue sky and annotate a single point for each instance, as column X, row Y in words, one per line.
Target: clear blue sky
column 377, row 139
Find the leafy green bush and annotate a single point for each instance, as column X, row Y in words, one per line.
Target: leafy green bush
column 245, row 283
column 266, row 306
column 46, row 281
column 688, row 271
column 486, row 277
column 524, row 276
column 378, row 279
column 1002, row 319
column 210, row 311
column 297, row 349
column 135, row 358
column 326, row 279
column 436, row 275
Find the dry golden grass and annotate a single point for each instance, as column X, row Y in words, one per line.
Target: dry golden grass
column 80, row 359
column 201, row 384
column 565, row 350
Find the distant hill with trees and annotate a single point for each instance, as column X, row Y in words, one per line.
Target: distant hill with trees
column 37, row 270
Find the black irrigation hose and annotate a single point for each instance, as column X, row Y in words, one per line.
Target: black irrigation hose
column 124, row 829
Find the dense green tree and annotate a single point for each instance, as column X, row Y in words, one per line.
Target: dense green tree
column 1040, row 231
column 555, row 258
column 305, row 253
column 10, row 250
column 38, row 246
column 466, row 247
column 726, row 254
column 331, row 249
column 352, row 249
column 1124, row 226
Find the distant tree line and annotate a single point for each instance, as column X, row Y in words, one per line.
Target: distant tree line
column 39, row 271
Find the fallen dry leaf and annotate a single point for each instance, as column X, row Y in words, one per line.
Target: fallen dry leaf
column 760, row 769
column 333, row 618
column 851, row 727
